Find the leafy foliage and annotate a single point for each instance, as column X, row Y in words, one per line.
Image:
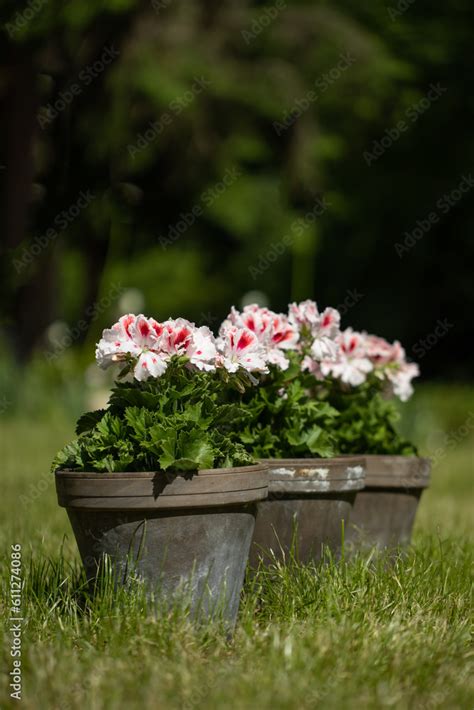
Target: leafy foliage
column 284, row 421
column 367, row 422
column 178, row 422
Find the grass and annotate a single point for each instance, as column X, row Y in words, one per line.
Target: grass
column 365, row 633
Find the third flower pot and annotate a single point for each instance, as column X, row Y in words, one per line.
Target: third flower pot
column 181, row 533
column 384, row 512
column 308, row 500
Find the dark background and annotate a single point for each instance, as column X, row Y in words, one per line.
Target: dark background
column 251, row 151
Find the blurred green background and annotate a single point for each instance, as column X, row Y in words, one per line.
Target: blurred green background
column 178, row 157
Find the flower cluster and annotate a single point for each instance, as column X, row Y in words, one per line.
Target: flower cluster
column 319, row 332
column 325, row 351
column 360, row 354
column 254, row 339
column 148, row 346
column 273, row 331
column 351, row 364
column 389, row 363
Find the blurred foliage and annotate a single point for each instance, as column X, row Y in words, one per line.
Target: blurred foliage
column 177, row 119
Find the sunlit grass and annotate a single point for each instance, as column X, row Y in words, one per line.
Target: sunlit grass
column 365, row 633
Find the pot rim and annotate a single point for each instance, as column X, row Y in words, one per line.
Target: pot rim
column 156, row 490
column 316, row 475
column 396, row 471
column 122, row 475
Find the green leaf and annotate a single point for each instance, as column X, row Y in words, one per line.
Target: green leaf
column 136, row 418
column 192, row 446
column 88, row 420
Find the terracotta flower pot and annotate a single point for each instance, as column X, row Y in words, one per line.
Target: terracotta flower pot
column 181, row 533
column 384, row 512
column 307, row 501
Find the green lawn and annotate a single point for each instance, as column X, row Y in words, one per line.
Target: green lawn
column 360, row 634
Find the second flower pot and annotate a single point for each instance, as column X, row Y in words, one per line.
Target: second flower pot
column 180, row 533
column 308, row 500
column 384, row 512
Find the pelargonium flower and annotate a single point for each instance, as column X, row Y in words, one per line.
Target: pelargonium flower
column 318, row 332
column 380, row 351
column 240, row 347
column 390, row 363
column 146, row 335
column 118, row 341
column 309, row 364
column 352, row 364
column 134, row 337
column 150, row 345
column 181, row 337
column 273, row 330
column 202, row 351
column 325, row 333
column 304, row 314
column 401, row 378
column 177, row 336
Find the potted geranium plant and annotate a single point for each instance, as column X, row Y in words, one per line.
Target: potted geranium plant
column 292, row 429
column 362, row 382
column 156, row 481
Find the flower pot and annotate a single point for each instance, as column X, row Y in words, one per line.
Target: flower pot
column 182, row 533
column 307, row 501
column 384, row 512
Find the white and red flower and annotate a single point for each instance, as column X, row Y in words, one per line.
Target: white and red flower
column 149, row 364
column 117, row 342
column 304, row 315
column 177, row 336
column 352, row 364
column 325, row 333
column 400, row 379
column 390, row 364
column 150, row 345
column 240, row 347
column 255, row 338
column 202, row 351
column 273, row 330
column 318, row 333
column 137, row 338
column 380, row 351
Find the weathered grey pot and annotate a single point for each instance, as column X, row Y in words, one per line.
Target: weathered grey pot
column 183, row 534
column 384, row 512
column 307, row 501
